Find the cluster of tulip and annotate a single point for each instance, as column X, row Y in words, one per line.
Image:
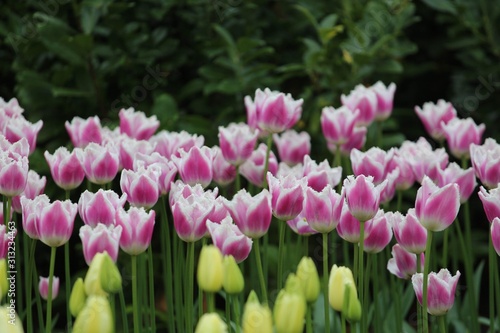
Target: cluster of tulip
column 309, row 197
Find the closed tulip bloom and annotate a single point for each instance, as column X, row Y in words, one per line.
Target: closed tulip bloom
column 406, row 177
column 340, row 276
column 99, row 239
column 362, row 196
column 6, row 237
column 423, row 159
column 56, row 222
column 403, row 264
column 292, row 146
column 65, row 168
column 169, row 144
column 460, row 134
column 31, row 211
column 228, row 238
column 309, row 279
column 5, row 326
column 234, row 281
column 100, row 163
column 432, row 115
column 224, row 173
column 18, row 128
column 237, row 142
column 257, row 318
column 485, row 160
column 136, row 125
column 287, row 196
column 137, row 229
column 181, row 189
column 77, row 298
column 195, row 166
column 320, row 175
column 349, row 226
column 16, row 149
column 338, row 124
column 364, row 100
column 220, row 211
column 43, row 287
column 210, row 272
column 253, row 168
column 409, row 233
column 322, row 210
column 141, row 186
column 491, row 202
column 440, row 293
column 190, row 216
column 389, row 190
column 34, row 187
column 167, row 169
column 103, row 277
column 284, row 170
column 129, row 148
column 379, row 235
column 436, row 208
column 96, row 316
column 84, row 131
column 495, row 234
column 272, row 111
column 290, row 308
column 356, row 141
column 466, row 179
column 385, row 98
column 300, row 226
column 13, row 174
column 100, row 207
column 11, row 108
column 211, row 323
column 1, row 212
column 374, row 162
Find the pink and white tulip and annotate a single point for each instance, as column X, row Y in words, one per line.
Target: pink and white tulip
column 237, row 142
column 495, row 234
column 253, row 168
column 433, row 114
column 129, row 148
column 16, row 149
column 167, row 169
column 31, row 212
column 169, row 144
column 373, row 162
column 356, row 141
column 190, row 216
column 385, row 99
column 43, row 287
column 338, row 124
column 181, row 189
column 99, row 239
column 84, row 131
column 224, row 173
column 195, row 166
column 228, row 238
column 460, row 134
column 100, row 163
column 13, row 174
column 379, row 233
column 320, row 175
column 137, row 229
column 141, row 186
column 6, row 239
column 408, row 231
column 11, row 108
column 389, row 190
column 65, row 168
column 322, row 210
column 440, row 293
column 349, row 226
column 362, row 196
column 300, row 226
column 34, row 187
column 403, row 264
column 100, row 207
column 136, row 125
column 424, row 160
column 485, row 160
column 292, row 146
column 491, row 202
column 406, row 177
column 18, row 128
column 287, row 196
column 364, row 100
column 56, row 221
column 466, row 179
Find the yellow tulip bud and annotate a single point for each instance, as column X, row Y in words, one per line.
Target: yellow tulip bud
column 96, row 316
column 352, row 307
column 210, row 272
column 233, row 278
column 293, row 285
column 309, row 279
column 339, row 277
column 77, row 298
column 93, row 277
column 9, row 320
column 211, row 323
column 290, row 307
column 111, row 279
column 4, row 285
column 256, row 317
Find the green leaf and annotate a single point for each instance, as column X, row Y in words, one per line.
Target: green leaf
column 310, row 17
column 390, row 66
column 68, row 92
column 442, row 6
column 165, row 109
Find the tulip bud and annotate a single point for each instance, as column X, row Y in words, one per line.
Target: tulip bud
column 4, row 286
column 352, row 306
column 43, row 287
column 10, row 324
column 93, row 281
column 309, row 279
column 233, row 282
column 96, row 316
column 290, row 307
column 111, row 279
column 256, row 317
column 77, row 298
column 210, row 269
column 339, row 278
column 211, row 323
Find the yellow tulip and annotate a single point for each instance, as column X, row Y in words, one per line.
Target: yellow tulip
column 77, row 298
column 9, row 321
column 339, row 277
column 211, row 323
column 96, row 316
column 210, row 272
column 290, row 307
column 233, row 278
column 257, row 318
column 308, row 276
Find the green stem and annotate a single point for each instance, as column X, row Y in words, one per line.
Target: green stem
column 236, row 310
column 67, row 273
column 419, row 307
column 400, row 200
column 379, row 133
column 281, row 253
column 424, row 289
column 135, row 305
column 27, row 264
column 356, row 259
column 123, row 308
column 260, row 271
column 497, row 290
column 325, row 283
column 397, row 303
column 266, row 162
column 491, row 282
column 366, row 284
column 38, row 300
column 48, row 326
column 309, row 326
column 210, row 302
column 179, row 284
column 376, row 289
column 228, row 313
column 166, row 251
column 360, row 272
column 442, row 323
column 445, row 247
column 238, row 180
column 201, row 310
column 190, row 286
column 152, row 308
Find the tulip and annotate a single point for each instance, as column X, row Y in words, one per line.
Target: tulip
column 338, row 124
column 379, row 235
column 220, row 211
column 441, row 292
column 4, row 283
column 237, row 142
column 31, row 210
column 168, row 144
column 432, row 115
column 136, row 125
column 190, row 216
column 100, row 163
column 348, row 227
column 491, row 202
column 129, row 148
column 56, row 221
column 100, row 207
column 167, row 169
column 43, row 287
column 234, row 281
column 272, row 111
column 84, row 131
column 65, row 168
column 406, row 177
column 223, row 172
column 364, row 100
column 257, row 318
column 409, row 233
column 352, row 307
column 180, row 189
column 96, row 316
column 403, row 264
column 228, row 238
column 389, row 190
column 287, row 196
column 195, row 166
column 309, row 279
column 18, row 128
column 436, row 208
column 7, row 237
column 13, row 174
column 11, row 325
column 253, row 168
column 495, row 234
column 34, row 187
column 285, row 170
column 373, row 163
column 322, row 210
column 99, row 239
column 485, row 160
column 320, row 175
column 211, row 323
column 141, row 186
column 137, row 229
column 340, row 277
column 423, row 159
column 362, row 196
column 290, row 307
column 385, row 98
column 460, row 134
column 14, row 150
column 292, row 146
column 466, row 179
column 77, row 298
column 102, row 277
column 356, row 141
column 210, row 273
column 300, row 226
column 11, row 108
